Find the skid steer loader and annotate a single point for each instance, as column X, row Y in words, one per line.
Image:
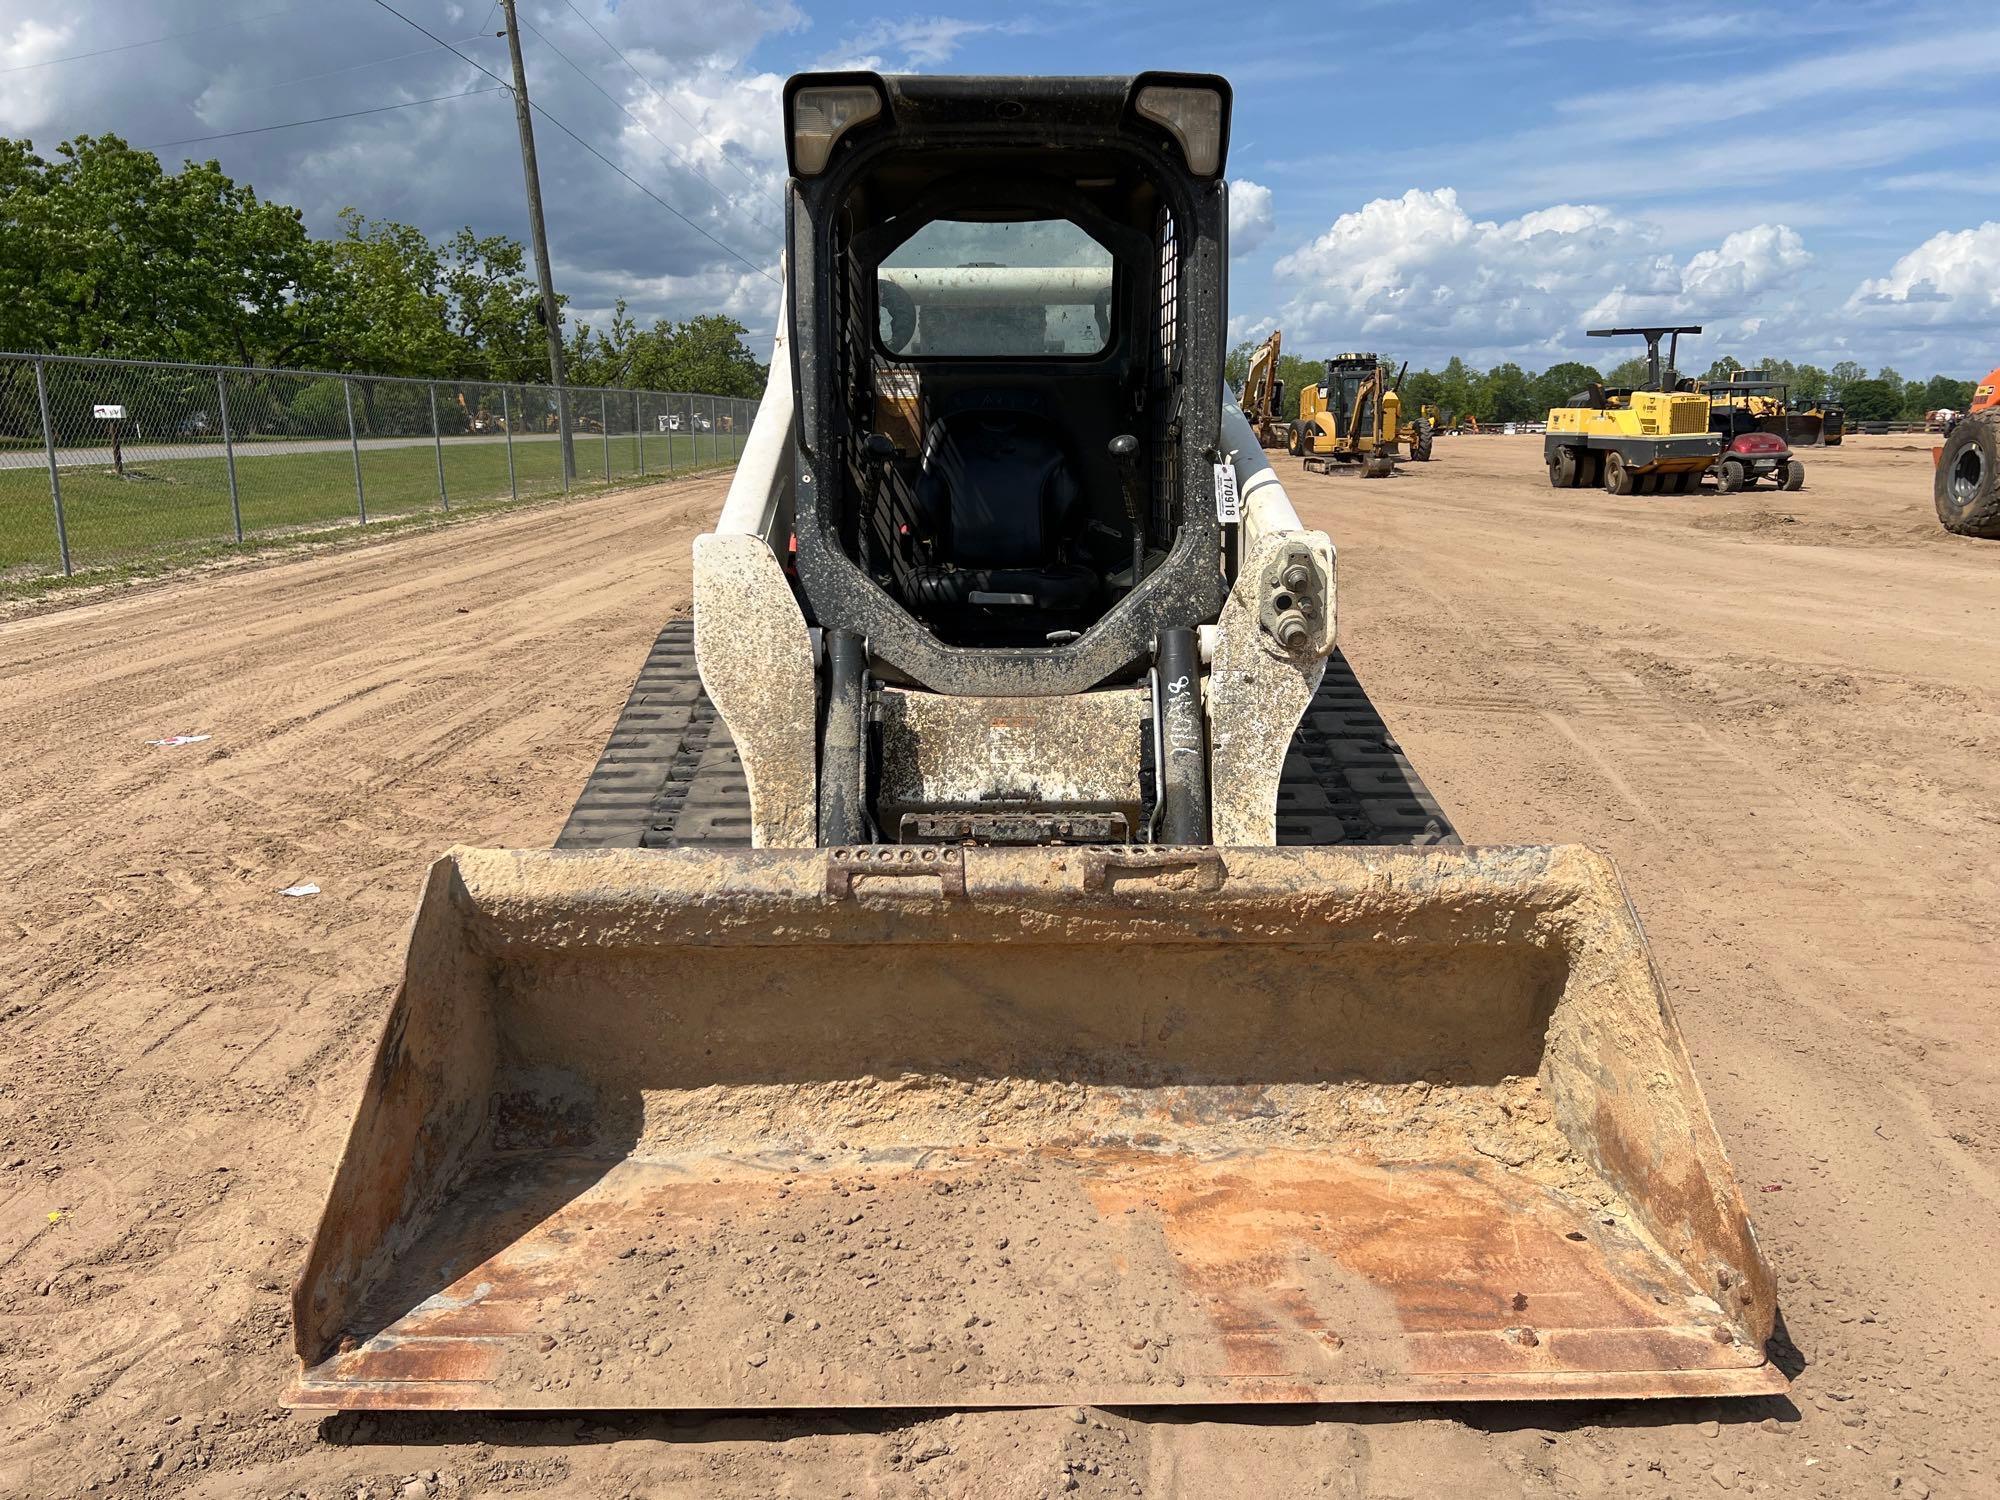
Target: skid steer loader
column 1032, row 977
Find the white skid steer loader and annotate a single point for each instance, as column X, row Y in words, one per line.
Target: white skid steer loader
column 1014, row 985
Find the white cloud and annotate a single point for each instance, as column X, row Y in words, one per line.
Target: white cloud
column 1418, row 272
column 915, row 44
column 1795, row 81
column 1951, row 280
column 28, row 96
column 1250, row 218
column 703, row 131
column 1244, row 327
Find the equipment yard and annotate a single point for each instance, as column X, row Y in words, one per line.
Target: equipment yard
column 1775, row 711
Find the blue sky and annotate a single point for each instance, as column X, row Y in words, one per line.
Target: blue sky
column 1810, row 180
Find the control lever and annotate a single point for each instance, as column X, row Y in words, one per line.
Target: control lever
column 1125, row 452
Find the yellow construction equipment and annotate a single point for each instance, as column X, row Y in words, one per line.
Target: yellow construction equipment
column 1652, row 440
column 1353, row 416
column 994, row 980
column 1263, row 394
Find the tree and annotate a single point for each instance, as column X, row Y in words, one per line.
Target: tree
column 1508, row 395
column 1943, row 393
column 1236, row 368
column 104, row 253
column 1555, row 385
column 1423, row 388
column 1843, row 375
column 705, row 354
column 1298, row 373
column 1458, row 391
column 1723, row 368
column 1872, row 400
column 495, row 307
column 379, row 304
column 1630, row 373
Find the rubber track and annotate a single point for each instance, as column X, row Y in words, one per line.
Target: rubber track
column 669, row 776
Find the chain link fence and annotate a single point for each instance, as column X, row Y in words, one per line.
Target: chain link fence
column 108, row 463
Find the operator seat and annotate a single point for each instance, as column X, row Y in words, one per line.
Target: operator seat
column 996, row 496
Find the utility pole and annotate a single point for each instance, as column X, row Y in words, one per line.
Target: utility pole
column 538, row 231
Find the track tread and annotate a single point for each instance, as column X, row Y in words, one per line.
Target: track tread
column 670, row 778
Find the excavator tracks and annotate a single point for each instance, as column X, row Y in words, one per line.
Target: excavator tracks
column 669, row 776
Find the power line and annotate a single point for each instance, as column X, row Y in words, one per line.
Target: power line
column 728, row 250
column 738, row 256
column 686, row 160
column 350, row 68
column 352, row 114
column 663, row 98
column 172, row 36
column 419, row 26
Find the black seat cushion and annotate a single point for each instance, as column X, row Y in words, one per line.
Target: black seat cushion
column 997, row 489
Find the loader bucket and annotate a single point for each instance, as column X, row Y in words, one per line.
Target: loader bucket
column 925, row 1127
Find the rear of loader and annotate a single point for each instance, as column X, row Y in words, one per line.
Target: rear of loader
column 1008, row 1060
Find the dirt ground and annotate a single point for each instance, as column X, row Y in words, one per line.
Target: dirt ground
column 1778, row 712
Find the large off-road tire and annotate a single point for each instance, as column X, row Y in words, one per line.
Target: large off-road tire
column 1618, row 478
column 1563, row 469
column 1730, row 476
column 1794, row 476
column 1294, row 441
column 1966, row 489
column 1420, row 441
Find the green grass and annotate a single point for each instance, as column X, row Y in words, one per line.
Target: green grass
column 168, row 506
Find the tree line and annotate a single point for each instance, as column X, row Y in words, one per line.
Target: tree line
column 104, row 252
column 1508, row 393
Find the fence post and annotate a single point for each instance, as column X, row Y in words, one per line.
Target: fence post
column 604, row 427
column 228, row 453
column 639, row 430
column 55, row 476
column 354, row 447
column 672, row 434
column 507, row 424
column 437, row 440
column 564, row 438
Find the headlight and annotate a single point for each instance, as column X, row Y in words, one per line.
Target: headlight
column 1194, row 115
column 820, row 116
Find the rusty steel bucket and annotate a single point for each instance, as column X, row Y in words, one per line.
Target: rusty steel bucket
column 684, row 1129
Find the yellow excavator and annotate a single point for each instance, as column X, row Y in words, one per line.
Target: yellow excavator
column 1000, row 960
column 1263, row 395
column 1354, row 416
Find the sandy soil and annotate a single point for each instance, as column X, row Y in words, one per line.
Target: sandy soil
column 1776, row 711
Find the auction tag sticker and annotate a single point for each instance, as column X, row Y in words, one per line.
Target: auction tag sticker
column 1228, row 503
